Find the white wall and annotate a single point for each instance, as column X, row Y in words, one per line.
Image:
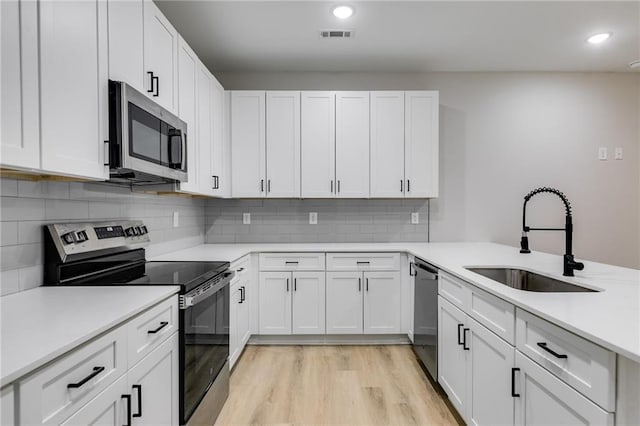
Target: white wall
column 503, row 134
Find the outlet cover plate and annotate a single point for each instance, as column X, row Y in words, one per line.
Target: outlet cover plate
column 246, row 218
column 415, row 218
column 176, row 219
column 313, row 218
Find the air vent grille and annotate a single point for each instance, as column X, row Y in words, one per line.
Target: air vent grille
column 336, row 34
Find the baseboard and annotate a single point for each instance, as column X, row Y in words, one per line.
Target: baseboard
column 332, row 339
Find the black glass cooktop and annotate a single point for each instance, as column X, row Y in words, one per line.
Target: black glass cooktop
column 186, row 274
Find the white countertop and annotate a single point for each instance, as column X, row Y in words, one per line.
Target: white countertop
column 610, row 317
column 41, row 324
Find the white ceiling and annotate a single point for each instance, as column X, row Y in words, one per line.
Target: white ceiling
column 409, row 36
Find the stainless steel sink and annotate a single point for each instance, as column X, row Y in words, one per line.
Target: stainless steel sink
column 528, row 281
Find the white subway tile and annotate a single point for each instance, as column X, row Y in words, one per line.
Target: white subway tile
column 43, row 189
column 8, row 233
column 9, row 282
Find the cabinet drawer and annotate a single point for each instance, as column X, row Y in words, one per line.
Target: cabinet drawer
column 292, row 261
column 363, row 261
column 585, row 366
column 454, row 290
column 45, row 396
column 494, row 313
column 152, row 327
column 241, row 266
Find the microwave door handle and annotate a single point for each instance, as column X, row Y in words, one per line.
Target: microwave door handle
column 175, row 156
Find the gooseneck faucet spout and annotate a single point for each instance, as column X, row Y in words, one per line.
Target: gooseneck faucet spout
column 569, row 263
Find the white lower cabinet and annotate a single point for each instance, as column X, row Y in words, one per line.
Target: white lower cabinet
column 344, row 302
column 382, row 302
column 107, row 409
column 7, row 406
column 545, row 400
column 239, row 329
column 292, row 303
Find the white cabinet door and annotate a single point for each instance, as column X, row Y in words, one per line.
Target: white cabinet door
column 489, row 378
column 318, row 144
column 387, row 144
column 248, row 148
column 107, row 409
column 187, row 102
column 7, row 406
column 235, row 301
column 352, row 144
column 153, row 385
column 421, row 143
column 382, row 302
column 205, row 134
column 283, row 144
column 126, row 42
column 219, row 184
column 308, row 303
column 545, row 400
column 275, row 302
column 73, row 87
column 452, row 358
column 19, row 149
column 244, row 312
column 344, row 303
column 160, row 57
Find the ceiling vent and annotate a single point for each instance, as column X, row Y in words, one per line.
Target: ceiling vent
column 336, row 34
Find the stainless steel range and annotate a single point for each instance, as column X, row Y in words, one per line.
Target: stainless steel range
column 111, row 253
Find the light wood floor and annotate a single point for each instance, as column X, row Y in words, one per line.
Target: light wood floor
column 335, row 385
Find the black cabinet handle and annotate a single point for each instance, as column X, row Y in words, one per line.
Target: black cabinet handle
column 287, row 284
column 157, row 79
column 338, row 186
column 401, row 185
column 362, row 262
column 139, row 389
column 290, row 262
column 544, row 346
column 240, row 270
column 151, row 80
column 241, row 295
column 459, row 334
column 261, row 185
column 96, row 371
column 332, row 186
column 128, row 398
column 269, row 185
column 216, row 182
column 295, row 284
column 367, row 283
column 163, row 324
column 359, row 284
column 464, row 339
column 513, row 382
column 408, row 185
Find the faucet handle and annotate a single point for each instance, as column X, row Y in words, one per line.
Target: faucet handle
column 524, row 243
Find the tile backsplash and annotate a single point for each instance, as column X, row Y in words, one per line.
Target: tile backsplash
column 25, row 206
column 287, row 221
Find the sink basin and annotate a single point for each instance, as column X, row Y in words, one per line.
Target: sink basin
column 528, row 281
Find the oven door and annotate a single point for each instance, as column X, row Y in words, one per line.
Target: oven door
column 205, row 334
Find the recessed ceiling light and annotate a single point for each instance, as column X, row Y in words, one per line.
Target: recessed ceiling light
column 598, row 38
column 343, row 12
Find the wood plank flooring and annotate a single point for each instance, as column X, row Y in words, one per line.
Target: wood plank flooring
column 334, row 385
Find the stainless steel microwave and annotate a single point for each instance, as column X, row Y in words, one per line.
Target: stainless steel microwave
column 147, row 143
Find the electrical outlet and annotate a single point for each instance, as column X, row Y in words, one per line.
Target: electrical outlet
column 246, row 218
column 415, row 218
column 618, row 154
column 602, row 153
column 176, row 219
column 313, row 218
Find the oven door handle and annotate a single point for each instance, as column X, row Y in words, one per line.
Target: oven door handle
column 204, row 291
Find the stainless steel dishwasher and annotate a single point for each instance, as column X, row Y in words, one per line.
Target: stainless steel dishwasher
column 425, row 321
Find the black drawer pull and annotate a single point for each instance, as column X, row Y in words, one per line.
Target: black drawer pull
column 128, row 398
column 513, row 382
column 464, row 339
column 459, row 334
column 96, row 371
column 363, row 262
column 240, row 270
column 163, row 324
column 291, row 262
column 139, row 389
column 544, row 346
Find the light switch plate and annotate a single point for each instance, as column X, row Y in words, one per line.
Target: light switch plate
column 415, row 218
column 618, row 153
column 602, row 153
column 176, row 219
column 313, row 218
column 246, row 218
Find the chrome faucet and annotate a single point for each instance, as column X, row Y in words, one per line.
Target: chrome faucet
column 569, row 263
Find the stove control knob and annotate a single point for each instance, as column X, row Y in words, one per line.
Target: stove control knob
column 129, row 232
column 81, row 236
column 143, row 230
column 68, row 238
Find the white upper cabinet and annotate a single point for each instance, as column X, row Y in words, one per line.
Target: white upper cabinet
column 248, row 147
column 421, row 143
column 318, row 143
column 219, row 183
column 387, row 144
column 73, row 87
column 283, row 144
column 352, row 144
column 20, row 147
column 187, row 102
column 204, row 130
column 126, row 42
column 160, row 57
